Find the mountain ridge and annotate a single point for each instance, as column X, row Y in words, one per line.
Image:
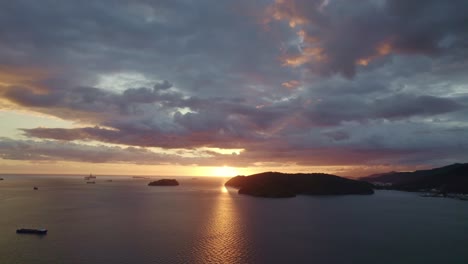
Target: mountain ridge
column 451, row 178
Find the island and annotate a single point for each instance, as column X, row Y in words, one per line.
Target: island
column 447, row 181
column 283, row 185
column 164, row 182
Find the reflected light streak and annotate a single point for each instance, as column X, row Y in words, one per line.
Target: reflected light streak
column 223, row 236
column 224, row 189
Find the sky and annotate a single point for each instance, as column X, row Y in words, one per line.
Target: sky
column 219, row 88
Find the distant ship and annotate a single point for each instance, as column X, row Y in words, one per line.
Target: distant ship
column 140, row 177
column 90, row 182
column 35, row 188
column 40, row 231
column 90, row 177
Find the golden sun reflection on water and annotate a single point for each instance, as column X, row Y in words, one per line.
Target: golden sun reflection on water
column 223, row 239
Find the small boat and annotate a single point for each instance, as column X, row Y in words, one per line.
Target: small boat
column 90, row 182
column 140, row 177
column 1, row 179
column 40, row 231
column 35, row 188
column 89, row 177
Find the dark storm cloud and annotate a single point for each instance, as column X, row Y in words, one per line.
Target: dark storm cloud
column 402, row 106
column 337, row 135
column 26, row 97
column 65, row 151
column 330, row 112
column 200, row 45
column 339, row 35
column 91, row 99
column 51, row 150
column 290, row 82
column 234, row 125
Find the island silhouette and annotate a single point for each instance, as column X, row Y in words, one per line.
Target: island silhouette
column 448, row 179
column 284, row 185
column 164, row 182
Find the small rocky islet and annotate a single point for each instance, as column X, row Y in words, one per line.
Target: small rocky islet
column 164, row 182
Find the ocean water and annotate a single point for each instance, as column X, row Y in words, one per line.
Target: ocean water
column 200, row 221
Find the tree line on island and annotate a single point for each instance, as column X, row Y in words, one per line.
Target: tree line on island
column 448, row 179
column 445, row 181
column 282, row 185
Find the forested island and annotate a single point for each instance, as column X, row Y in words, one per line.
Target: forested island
column 449, row 179
column 164, row 182
column 283, row 185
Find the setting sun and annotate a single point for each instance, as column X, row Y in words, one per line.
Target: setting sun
column 224, row 171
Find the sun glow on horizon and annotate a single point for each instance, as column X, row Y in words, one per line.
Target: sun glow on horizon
column 224, row 171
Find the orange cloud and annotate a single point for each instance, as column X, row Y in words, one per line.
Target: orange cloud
column 381, row 50
column 384, row 49
column 285, row 10
column 291, row 84
column 302, row 16
column 22, row 76
column 308, row 54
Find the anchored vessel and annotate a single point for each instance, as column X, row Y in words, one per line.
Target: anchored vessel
column 40, row 231
column 90, row 177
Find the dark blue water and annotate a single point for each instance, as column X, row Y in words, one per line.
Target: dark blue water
column 126, row 221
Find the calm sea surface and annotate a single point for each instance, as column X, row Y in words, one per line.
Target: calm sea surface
column 126, row 221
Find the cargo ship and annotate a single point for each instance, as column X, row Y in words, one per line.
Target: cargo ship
column 40, row 231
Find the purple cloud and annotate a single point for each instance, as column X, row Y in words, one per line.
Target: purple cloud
column 313, row 83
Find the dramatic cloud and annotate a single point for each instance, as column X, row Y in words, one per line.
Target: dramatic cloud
column 337, row 36
column 289, row 83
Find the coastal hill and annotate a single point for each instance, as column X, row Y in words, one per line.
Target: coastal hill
column 448, row 179
column 281, row 185
column 164, row 182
